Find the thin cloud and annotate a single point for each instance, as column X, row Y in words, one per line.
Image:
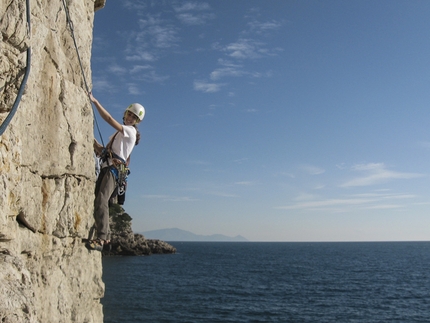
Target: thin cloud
column 364, row 201
column 385, row 196
column 134, row 5
column 181, row 199
column 160, row 34
column 286, row 174
column 102, row 85
column 245, row 49
column 116, row 69
column 226, row 71
column 195, row 19
column 155, row 196
column 222, row 194
column 230, row 69
column 312, row 170
column 327, row 203
column 154, row 36
column 228, row 63
column 192, row 6
column 152, row 77
column 207, row 87
column 140, row 68
column 169, row 198
column 134, row 89
column 141, row 56
column 385, row 207
column 190, row 13
column 245, row 183
column 376, row 173
column 262, row 27
column 305, row 197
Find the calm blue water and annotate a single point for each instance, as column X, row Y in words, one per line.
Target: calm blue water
column 272, row 282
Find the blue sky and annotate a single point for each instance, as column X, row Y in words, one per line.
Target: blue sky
column 276, row 120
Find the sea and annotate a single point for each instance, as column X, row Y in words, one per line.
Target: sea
column 271, row 282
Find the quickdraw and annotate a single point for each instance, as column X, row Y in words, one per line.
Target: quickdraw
column 123, row 173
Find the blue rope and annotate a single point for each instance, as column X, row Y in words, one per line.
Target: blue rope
column 24, row 80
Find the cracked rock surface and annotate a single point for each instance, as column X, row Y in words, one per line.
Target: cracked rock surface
column 46, row 167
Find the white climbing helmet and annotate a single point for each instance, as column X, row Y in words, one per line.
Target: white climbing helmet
column 137, row 109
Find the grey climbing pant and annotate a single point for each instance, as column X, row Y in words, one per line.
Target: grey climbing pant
column 105, row 186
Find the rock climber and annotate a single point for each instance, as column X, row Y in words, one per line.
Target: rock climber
column 113, row 165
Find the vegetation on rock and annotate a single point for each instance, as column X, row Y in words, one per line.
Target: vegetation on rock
column 125, row 242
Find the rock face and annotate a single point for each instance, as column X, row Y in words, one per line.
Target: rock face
column 47, row 167
column 126, row 243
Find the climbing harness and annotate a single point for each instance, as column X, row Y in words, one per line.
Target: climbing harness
column 72, row 33
column 117, row 166
column 9, row 117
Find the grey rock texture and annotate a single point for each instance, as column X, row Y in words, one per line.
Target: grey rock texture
column 47, row 167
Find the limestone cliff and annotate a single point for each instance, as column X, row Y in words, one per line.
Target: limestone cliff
column 47, row 167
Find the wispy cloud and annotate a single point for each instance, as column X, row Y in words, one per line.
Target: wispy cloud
column 207, row 87
column 194, row 19
column 134, row 89
column 151, row 40
column 385, row 207
column 152, row 77
column 261, row 27
column 102, row 85
column 245, row 183
column 134, row 5
column 229, row 69
column 157, row 32
column 141, row 56
column 226, row 71
column 245, row 49
column 376, row 173
column 169, row 198
column 140, row 68
column 327, row 203
column 221, row 194
column 312, row 170
column 191, row 6
column 116, row 69
column 190, row 13
column 364, row 201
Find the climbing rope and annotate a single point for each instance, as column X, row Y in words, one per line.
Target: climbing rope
column 24, row 80
column 72, row 32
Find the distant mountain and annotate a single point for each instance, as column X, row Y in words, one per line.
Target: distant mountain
column 175, row 234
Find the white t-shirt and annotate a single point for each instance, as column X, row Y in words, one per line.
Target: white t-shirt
column 123, row 144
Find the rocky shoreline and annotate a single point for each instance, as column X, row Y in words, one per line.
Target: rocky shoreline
column 126, row 243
